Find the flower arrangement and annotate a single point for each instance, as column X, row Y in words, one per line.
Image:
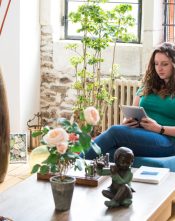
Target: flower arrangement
column 65, row 142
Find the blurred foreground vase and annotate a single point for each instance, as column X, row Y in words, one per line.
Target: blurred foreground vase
column 62, row 192
column 4, row 131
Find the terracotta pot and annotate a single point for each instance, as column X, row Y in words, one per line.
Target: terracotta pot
column 62, row 192
column 4, row 131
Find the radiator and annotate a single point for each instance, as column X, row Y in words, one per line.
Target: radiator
column 124, row 91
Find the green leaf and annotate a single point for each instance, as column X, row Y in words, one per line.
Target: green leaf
column 75, row 128
column 35, row 168
column 78, row 165
column 54, row 168
column 70, row 155
column 42, row 142
column 63, row 122
column 71, row 46
column 44, row 169
column 52, row 159
column 87, row 128
column 76, row 60
column 85, row 140
column 37, row 133
column 96, row 148
column 76, row 147
column 82, row 116
column 46, row 130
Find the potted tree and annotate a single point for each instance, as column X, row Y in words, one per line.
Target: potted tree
column 99, row 29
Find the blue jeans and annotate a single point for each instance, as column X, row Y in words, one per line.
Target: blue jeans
column 142, row 142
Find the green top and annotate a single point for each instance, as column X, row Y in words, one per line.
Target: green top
column 162, row 110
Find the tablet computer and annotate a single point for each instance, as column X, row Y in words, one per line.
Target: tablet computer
column 134, row 112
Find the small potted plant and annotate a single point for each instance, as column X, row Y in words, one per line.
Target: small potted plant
column 64, row 143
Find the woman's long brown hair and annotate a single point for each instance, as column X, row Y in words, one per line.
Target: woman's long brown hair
column 152, row 82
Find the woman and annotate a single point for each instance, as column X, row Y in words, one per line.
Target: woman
column 154, row 136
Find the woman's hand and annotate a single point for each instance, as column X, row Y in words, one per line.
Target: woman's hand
column 150, row 124
column 130, row 122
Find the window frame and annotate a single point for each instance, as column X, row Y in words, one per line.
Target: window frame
column 71, row 37
column 169, row 17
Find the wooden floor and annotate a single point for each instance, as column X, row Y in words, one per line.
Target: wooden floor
column 16, row 173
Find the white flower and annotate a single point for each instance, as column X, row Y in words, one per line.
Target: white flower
column 56, row 136
column 62, row 147
column 91, row 115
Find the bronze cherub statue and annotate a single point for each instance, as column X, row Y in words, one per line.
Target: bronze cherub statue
column 120, row 191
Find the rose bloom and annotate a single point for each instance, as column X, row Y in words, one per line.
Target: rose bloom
column 55, row 136
column 91, row 115
column 62, row 147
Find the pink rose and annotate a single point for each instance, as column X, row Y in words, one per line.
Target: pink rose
column 56, row 136
column 62, row 147
column 91, row 115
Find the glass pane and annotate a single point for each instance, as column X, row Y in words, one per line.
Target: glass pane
column 74, row 4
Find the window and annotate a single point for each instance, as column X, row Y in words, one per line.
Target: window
column 169, row 20
column 72, row 5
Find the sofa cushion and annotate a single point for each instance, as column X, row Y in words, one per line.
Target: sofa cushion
column 167, row 162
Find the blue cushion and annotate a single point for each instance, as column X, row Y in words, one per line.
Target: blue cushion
column 168, row 162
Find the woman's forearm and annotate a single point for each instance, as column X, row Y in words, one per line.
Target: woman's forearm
column 167, row 130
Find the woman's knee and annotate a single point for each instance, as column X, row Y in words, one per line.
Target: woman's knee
column 114, row 129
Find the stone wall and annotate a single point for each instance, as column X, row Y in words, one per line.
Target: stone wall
column 56, row 95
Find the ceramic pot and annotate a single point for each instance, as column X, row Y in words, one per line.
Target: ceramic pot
column 4, row 131
column 62, row 192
